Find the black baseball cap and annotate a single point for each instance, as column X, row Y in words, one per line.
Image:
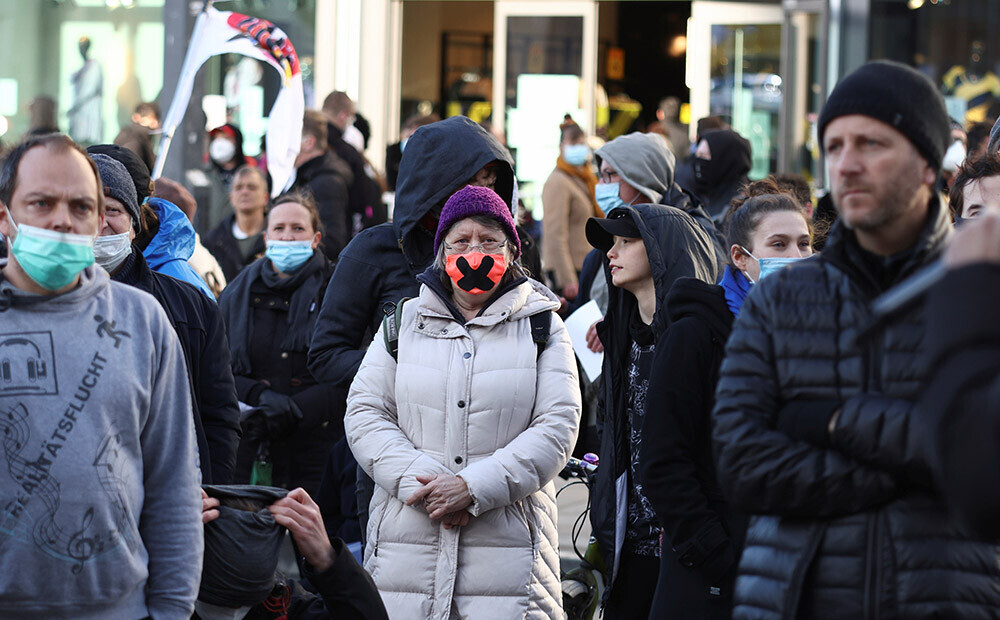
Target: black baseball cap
column 601, row 231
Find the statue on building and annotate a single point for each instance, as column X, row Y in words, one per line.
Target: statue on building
column 85, row 123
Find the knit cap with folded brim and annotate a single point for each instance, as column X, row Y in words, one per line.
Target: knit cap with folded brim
column 117, row 184
column 473, row 200
column 900, row 97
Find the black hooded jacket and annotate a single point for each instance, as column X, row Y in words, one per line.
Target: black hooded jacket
column 846, row 524
column 719, row 179
column 677, row 468
column 380, row 266
column 677, row 246
column 202, row 334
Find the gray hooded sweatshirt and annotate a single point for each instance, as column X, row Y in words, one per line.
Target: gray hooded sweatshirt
column 100, row 510
column 643, row 160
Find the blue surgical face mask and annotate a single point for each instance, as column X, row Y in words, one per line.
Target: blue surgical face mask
column 576, row 154
column 288, row 256
column 769, row 265
column 52, row 259
column 607, row 196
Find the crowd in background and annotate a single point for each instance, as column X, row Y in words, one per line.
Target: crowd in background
column 400, row 393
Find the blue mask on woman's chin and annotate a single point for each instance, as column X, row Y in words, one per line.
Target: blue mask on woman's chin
column 769, row 265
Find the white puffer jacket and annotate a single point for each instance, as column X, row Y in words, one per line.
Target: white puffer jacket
column 469, row 400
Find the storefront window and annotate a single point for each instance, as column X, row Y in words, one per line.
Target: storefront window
column 80, row 67
column 953, row 43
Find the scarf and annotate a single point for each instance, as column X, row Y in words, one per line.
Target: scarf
column 585, row 174
column 736, row 286
column 305, row 285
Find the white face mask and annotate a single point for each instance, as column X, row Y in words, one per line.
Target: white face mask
column 221, row 150
column 111, row 251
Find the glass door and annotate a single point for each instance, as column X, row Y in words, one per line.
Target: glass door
column 544, row 68
column 734, row 71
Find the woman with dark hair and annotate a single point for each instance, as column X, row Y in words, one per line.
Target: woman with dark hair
column 270, row 310
column 568, row 198
column 702, row 536
column 463, row 411
column 764, row 233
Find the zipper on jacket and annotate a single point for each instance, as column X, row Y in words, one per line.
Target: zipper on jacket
column 871, row 570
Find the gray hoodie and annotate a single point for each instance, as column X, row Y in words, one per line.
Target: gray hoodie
column 643, row 160
column 99, row 503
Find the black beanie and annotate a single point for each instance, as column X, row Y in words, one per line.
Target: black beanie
column 899, row 96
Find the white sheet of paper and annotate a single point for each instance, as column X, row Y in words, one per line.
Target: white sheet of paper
column 577, row 325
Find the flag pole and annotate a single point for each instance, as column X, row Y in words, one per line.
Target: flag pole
column 168, row 134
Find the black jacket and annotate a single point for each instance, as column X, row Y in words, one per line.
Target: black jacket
column 677, row 247
column 677, row 468
column 320, row 178
column 380, row 266
column 342, row 592
column 299, row 457
column 678, row 197
column 202, row 335
column 962, row 402
column 730, row 163
column 364, row 194
column 847, row 524
column 222, row 245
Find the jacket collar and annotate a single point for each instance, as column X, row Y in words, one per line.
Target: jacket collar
column 843, row 252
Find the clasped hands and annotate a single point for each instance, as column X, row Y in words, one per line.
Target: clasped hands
column 445, row 498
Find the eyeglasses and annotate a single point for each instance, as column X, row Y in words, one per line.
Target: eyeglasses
column 488, row 247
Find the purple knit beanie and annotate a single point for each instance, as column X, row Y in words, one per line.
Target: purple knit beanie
column 473, row 200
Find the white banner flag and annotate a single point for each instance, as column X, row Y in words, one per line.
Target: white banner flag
column 223, row 32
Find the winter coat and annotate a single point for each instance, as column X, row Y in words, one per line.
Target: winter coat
column 475, row 400
column 846, row 523
column 202, row 335
column 207, row 267
column 677, row 247
column 961, row 402
column 300, row 456
column 380, row 266
column 173, row 244
column 321, row 180
column 364, row 194
column 567, row 209
column 224, row 247
column 700, row 532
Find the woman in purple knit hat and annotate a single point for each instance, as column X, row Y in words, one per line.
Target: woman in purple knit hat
column 463, row 411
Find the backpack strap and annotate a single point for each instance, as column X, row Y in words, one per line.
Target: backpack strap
column 540, row 325
column 390, row 326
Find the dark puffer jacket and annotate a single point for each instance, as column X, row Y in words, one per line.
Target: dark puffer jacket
column 847, row 523
column 677, row 246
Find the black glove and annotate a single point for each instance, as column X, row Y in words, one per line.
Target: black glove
column 276, row 416
column 808, row 420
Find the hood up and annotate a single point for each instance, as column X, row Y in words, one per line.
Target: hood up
column 677, row 246
column 643, row 160
column 175, row 239
column 440, row 159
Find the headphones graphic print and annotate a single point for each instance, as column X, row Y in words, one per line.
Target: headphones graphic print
column 35, row 367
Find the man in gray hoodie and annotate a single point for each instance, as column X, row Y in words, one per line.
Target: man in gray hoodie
column 642, row 167
column 99, row 503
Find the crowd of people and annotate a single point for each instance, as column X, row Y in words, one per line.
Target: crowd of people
column 393, row 401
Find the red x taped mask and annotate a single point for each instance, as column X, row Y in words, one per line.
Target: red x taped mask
column 475, row 272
